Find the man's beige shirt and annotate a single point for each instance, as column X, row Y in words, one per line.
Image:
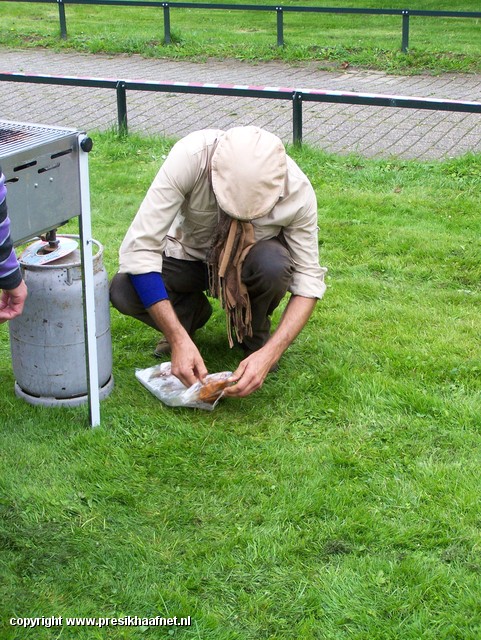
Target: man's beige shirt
column 179, row 214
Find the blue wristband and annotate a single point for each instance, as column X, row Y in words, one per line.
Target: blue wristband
column 150, row 287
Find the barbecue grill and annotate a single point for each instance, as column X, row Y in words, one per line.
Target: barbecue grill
column 46, row 172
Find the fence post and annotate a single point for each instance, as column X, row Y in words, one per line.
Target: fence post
column 297, row 117
column 280, row 26
column 121, row 108
column 405, row 38
column 63, row 21
column 167, row 38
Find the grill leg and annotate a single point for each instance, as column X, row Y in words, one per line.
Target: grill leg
column 88, row 291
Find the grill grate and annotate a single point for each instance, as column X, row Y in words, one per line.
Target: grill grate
column 17, row 136
column 42, row 174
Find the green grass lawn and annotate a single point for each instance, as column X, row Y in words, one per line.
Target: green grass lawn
column 339, row 502
column 436, row 44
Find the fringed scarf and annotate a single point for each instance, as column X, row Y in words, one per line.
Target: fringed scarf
column 230, row 245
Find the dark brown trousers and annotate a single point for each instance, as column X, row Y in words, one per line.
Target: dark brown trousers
column 266, row 272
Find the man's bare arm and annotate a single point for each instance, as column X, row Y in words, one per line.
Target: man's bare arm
column 187, row 363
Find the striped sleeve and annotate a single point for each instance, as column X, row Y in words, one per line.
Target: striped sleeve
column 10, row 275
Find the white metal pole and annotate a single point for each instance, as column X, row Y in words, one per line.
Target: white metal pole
column 86, row 241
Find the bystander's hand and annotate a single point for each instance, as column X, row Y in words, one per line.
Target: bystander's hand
column 12, row 302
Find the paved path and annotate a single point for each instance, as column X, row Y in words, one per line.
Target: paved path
column 368, row 131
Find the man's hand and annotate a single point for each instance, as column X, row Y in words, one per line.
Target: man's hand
column 187, row 363
column 12, row 302
column 250, row 374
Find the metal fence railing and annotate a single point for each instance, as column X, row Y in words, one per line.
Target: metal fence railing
column 279, row 10
column 295, row 96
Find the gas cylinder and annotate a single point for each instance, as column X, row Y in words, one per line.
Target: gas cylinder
column 48, row 340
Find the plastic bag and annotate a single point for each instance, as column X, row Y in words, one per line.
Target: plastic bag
column 160, row 381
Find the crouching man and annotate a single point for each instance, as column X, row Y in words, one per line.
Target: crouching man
column 229, row 215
